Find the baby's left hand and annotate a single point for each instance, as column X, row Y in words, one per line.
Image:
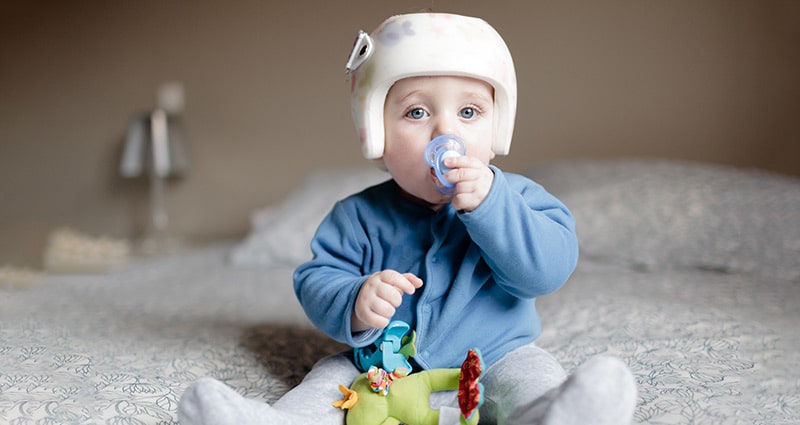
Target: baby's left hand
column 472, row 178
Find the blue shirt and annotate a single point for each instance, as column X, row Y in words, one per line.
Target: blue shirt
column 482, row 270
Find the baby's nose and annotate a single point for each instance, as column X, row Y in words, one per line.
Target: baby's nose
column 442, row 126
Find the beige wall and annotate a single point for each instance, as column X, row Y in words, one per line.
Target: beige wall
column 266, row 100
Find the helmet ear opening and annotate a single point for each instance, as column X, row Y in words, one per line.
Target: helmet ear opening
column 362, row 50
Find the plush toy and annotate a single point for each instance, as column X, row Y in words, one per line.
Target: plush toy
column 381, row 397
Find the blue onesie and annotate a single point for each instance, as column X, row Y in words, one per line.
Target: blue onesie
column 482, row 270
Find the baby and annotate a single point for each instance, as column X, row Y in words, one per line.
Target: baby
column 451, row 245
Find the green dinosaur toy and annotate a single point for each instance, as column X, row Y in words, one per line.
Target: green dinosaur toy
column 381, row 398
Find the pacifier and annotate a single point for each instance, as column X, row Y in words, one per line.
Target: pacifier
column 438, row 149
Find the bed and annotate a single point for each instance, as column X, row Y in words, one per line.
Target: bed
column 689, row 272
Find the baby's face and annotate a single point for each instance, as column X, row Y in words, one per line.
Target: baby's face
column 420, row 108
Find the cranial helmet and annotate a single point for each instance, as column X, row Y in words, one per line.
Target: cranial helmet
column 428, row 44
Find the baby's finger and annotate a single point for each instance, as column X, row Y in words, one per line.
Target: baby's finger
column 463, row 162
column 375, row 314
column 415, row 281
column 390, row 294
column 392, row 279
column 400, row 282
column 383, row 309
column 374, row 320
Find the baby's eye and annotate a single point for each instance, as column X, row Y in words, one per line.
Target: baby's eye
column 417, row 114
column 468, row 113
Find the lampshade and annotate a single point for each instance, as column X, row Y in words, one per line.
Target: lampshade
column 154, row 147
column 154, row 143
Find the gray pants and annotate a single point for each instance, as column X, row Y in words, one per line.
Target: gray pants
column 527, row 386
column 517, row 379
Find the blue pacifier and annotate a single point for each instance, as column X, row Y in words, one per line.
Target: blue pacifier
column 438, row 149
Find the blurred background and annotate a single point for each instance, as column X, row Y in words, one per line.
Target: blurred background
column 265, row 101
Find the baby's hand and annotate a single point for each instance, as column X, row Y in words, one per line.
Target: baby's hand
column 472, row 178
column 380, row 296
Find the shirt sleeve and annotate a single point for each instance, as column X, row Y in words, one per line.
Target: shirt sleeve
column 525, row 235
column 327, row 285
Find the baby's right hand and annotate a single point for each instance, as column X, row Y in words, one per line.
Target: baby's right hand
column 380, row 296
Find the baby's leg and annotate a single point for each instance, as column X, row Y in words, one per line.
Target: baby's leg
column 210, row 402
column 517, row 379
column 602, row 391
column 528, row 386
column 522, row 375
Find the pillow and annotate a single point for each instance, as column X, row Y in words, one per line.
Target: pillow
column 281, row 234
column 651, row 214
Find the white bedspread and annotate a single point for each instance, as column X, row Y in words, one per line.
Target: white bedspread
column 122, row 347
column 708, row 345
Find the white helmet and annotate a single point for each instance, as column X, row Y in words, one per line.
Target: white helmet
column 428, row 44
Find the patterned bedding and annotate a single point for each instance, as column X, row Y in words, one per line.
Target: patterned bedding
column 711, row 338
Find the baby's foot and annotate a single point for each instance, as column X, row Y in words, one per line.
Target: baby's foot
column 209, row 401
column 600, row 392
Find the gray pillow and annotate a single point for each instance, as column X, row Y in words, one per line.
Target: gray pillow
column 280, row 234
column 653, row 214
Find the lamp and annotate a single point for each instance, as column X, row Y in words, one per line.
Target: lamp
column 154, row 146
